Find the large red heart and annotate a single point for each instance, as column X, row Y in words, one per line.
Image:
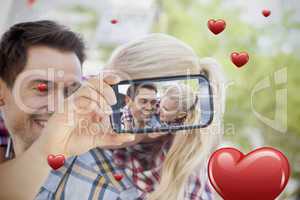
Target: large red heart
column 239, row 59
column 261, row 175
column 56, row 161
column 216, row 26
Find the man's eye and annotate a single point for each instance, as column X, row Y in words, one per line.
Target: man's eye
column 153, row 102
column 42, row 87
column 144, row 101
column 68, row 91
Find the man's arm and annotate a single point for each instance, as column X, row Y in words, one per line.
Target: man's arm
column 2, row 153
column 22, row 177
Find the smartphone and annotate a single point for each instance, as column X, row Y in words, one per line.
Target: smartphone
column 164, row 104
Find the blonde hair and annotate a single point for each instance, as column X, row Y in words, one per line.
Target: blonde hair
column 158, row 55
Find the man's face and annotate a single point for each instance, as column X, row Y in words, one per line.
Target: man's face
column 144, row 104
column 27, row 108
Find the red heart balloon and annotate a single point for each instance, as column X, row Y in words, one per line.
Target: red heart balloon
column 30, row 2
column 239, row 59
column 266, row 12
column 118, row 177
column 216, row 26
column 42, row 87
column 56, row 161
column 113, row 21
column 261, row 175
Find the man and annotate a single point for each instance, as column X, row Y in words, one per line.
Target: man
column 34, row 51
column 142, row 107
column 40, row 69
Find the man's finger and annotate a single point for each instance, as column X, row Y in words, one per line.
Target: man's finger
column 110, row 77
column 91, row 99
column 102, row 88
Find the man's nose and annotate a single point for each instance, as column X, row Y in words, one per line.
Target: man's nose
column 56, row 100
column 149, row 106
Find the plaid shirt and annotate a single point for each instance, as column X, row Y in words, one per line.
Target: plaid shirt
column 127, row 118
column 91, row 175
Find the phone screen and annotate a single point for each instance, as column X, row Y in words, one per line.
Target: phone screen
column 163, row 104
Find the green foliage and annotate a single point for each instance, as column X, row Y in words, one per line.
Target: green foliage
column 91, row 14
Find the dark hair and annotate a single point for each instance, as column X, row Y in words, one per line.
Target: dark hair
column 16, row 41
column 132, row 90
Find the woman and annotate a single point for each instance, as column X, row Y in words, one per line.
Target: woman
column 176, row 167
column 159, row 55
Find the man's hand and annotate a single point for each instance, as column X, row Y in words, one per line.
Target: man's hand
column 84, row 121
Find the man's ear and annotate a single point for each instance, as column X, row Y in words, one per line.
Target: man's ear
column 127, row 100
column 2, row 87
column 130, row 102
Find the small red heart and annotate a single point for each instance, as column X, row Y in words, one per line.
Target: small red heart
column 239, row 59
column 30, row 2
column 42, row 87
column 113, row 21
column 266, row 12
column 56, row 161
column 118, row 177
column 261, row 174
column 216, row 26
